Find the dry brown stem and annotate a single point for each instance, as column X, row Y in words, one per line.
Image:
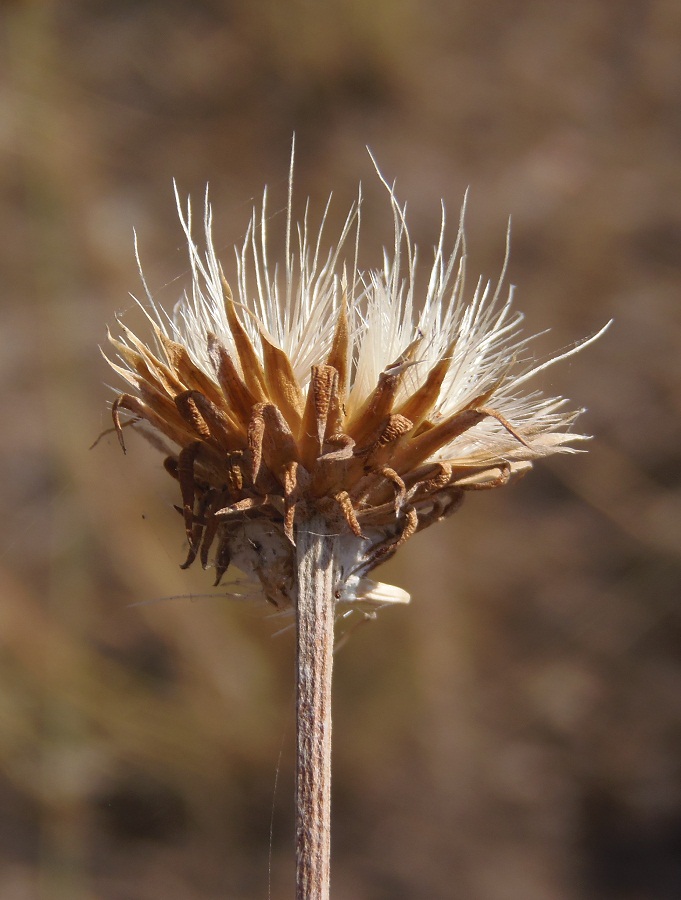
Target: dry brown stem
column 316, row 558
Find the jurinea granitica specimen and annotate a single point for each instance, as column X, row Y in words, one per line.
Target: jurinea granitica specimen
column 311, row 389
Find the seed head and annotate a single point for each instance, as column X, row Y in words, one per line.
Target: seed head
column 314, row 388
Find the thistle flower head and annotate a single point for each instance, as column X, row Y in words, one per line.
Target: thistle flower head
column 283, row 392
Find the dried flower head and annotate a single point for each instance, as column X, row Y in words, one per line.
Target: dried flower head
column 315, row 389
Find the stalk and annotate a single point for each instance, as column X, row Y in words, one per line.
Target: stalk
column 316, row 562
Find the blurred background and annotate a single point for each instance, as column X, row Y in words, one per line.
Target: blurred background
column 515, row 733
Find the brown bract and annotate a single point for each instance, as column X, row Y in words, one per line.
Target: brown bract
column 257, row 457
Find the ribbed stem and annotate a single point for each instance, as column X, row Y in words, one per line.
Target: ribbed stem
column 316, row 557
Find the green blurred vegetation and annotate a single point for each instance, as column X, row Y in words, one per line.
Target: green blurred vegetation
column 514, row 734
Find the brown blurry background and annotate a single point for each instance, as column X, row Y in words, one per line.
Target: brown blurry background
column 515, row 733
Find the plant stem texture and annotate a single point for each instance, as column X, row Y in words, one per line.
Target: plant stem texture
column 316, row 559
